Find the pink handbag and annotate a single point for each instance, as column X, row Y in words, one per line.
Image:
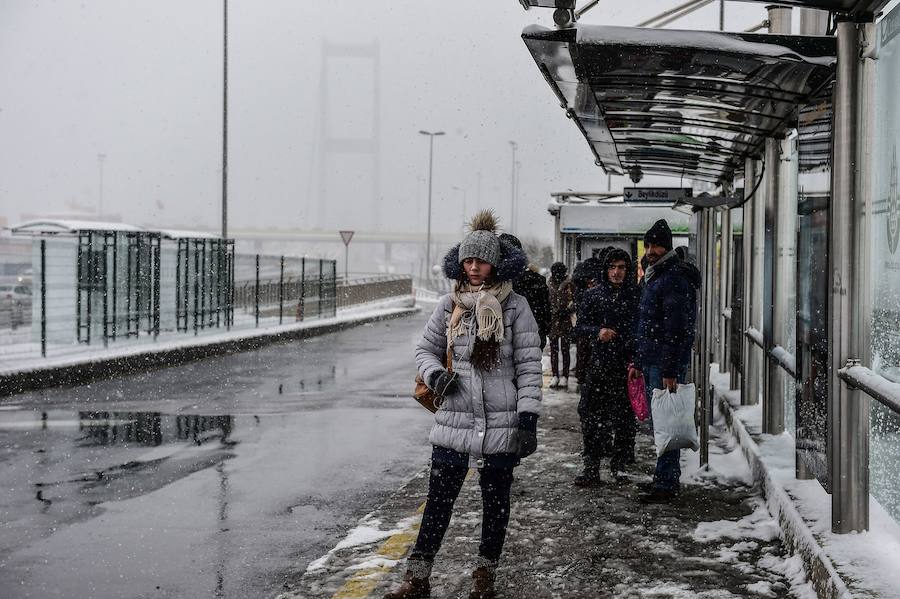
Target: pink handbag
column 637, row 394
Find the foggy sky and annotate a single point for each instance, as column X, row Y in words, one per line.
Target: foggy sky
column 141, row 82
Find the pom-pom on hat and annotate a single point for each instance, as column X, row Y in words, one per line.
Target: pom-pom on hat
column 482, row 242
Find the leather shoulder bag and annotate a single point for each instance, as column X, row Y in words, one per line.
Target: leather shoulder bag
column 430, row 400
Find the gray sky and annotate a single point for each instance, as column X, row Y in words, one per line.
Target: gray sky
column 141, row 82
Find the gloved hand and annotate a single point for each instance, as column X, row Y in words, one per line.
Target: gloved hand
column 443, row 382
column 527, row 434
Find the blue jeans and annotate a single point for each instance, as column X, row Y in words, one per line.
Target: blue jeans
column 668, row 465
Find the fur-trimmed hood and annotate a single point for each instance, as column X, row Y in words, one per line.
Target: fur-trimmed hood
column 512, row 262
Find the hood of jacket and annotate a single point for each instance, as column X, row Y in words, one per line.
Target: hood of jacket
column 512, row 262
column 618, row 255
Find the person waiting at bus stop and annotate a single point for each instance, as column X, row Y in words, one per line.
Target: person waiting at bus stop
column 532, row 285
column 584, row 276
column 664, row 337
column 491, row 399
column 606, row 316
column 562, row 308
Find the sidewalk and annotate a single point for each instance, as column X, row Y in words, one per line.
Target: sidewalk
column 840, row 565
column 84, row 363
column 715, row 541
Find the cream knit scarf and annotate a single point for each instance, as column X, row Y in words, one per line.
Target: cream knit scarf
column 484, row 301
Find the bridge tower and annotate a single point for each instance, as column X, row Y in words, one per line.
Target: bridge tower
column 328, row 209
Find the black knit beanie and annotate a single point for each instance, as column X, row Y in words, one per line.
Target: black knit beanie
column 660, row 234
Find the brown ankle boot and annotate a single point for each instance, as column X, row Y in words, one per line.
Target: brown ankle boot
column 412, row 588
column 483, row 583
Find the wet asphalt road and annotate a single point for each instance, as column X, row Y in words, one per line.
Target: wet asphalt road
column 220, row 478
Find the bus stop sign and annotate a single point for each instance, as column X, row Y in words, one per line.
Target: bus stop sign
column 663, row 195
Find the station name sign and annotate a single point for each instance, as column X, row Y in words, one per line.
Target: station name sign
column 668, row 195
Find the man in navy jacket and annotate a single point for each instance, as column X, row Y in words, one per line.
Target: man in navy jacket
column 667, row 318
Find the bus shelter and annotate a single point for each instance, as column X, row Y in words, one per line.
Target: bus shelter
column 788, row 120
column 100, row 281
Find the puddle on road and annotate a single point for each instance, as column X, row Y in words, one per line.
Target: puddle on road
column 314, row 383
column 149, row 429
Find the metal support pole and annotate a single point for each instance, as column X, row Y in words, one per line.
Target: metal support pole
column 43, row 298
column 813, row 21
column 321, row 286
column 708, row 249
column 725, row 274
column 281, row 293
column 512, row 187
column 848, row 409
column 773, row 400
column 256, row 293
column 749, row 382
column 302, row 289
column 779, row 19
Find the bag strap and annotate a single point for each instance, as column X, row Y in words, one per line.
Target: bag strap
column 449, row 360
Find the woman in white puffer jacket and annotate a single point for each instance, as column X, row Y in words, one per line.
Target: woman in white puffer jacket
column 491, row 399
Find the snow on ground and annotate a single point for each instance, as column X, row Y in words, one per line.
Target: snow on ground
column 717, row 541
column 868, row 561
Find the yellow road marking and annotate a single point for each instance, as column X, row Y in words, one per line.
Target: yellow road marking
column 394, row 548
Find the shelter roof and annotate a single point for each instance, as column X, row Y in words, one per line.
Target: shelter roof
column 681, row 103
column 62, row 226
column 74, row 227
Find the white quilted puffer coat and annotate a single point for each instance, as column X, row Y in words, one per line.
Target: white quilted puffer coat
column 481, row 416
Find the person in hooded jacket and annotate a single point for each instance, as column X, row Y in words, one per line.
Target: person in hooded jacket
column 584, row 276
column 606, row 316
column 665, row 330
column 532, row 285
column 562, row 307
column 491, row 399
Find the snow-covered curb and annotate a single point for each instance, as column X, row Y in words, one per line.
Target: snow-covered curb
column 834, row 563
column 69, row 369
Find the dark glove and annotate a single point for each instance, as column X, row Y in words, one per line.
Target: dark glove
column 527, row 434
column 443, row 382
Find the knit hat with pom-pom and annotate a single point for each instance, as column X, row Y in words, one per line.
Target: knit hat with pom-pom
column 482, row 242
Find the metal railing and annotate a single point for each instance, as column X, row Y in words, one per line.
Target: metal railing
column 872, row 384
column 778, row 355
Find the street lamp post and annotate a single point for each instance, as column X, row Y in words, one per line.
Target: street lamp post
column 224, row 119
column 512, row 206
column 431, row 136
column 465, row 201
column 100, row 159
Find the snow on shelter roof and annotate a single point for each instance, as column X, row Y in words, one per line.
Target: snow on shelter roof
column 63, row 227
column 74, row 227
column 178, row 234
column 679, row 103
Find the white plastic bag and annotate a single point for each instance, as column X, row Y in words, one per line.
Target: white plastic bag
column 673, row 419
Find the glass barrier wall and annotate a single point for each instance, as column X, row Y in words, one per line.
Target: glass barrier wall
column 884, row 263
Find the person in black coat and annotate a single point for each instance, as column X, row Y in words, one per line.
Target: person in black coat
column 533, row 287
column 606, row 316
column 585, row 275
column 664, row 336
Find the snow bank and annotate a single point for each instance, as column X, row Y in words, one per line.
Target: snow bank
column 867, row 561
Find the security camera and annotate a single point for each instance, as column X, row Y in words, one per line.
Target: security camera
column 564, row 18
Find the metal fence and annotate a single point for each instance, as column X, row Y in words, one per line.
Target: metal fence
column 79, row 294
